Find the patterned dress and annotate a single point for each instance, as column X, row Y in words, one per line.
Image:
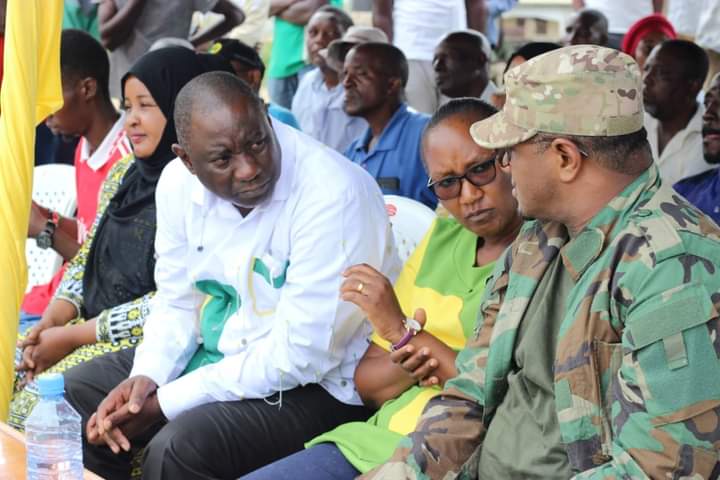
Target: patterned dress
column 118, row 327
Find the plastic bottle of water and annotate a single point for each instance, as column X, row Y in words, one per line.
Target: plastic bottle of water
column 52, row 433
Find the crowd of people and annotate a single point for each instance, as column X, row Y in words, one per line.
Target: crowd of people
column 233, row 304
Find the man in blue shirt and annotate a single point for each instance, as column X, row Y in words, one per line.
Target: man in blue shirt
column 703, row 189
column 374, row 77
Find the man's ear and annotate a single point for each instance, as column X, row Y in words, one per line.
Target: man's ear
column 394, row 86
column 255, row 78
column 183, row 155
column 88, row 88
column 568, row 159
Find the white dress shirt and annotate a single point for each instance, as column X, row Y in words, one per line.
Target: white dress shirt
column 683, row 155
column 324, row 215
column 319, row 111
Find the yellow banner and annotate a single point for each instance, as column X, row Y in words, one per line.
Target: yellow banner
column 30, row 91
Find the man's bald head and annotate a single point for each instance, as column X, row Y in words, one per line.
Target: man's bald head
column 204, row 94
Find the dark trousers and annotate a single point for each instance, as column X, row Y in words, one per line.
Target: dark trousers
column 216, row 440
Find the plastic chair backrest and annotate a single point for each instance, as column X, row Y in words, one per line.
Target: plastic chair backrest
column 54, row 188
column 410, row 221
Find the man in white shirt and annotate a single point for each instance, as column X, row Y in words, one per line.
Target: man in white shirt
column 673, row 75
column 248, row 351
column 416, row 28
column 462, row 66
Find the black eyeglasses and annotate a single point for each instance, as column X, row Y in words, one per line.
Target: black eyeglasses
column 479, row 174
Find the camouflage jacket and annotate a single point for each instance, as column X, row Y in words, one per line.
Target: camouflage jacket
column 637, row 366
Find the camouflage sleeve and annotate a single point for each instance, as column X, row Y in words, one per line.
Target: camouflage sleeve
column 665, row 397
column 447, row 440
column 123, row 321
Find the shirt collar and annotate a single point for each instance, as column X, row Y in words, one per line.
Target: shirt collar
column 390, row 136
column 101, row 155
column 582, row 250
column 287, row 140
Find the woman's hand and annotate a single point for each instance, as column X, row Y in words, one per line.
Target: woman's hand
column 53, row 344
column 373, row 293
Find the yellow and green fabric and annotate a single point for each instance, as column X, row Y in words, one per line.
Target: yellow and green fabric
column 31, row 91
column 440, row 277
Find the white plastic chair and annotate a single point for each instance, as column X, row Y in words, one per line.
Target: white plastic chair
column 54, row 188
column 410, row 221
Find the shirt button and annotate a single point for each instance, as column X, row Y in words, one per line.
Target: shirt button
column 343, row 383
column 199, row 340
column 244, row 342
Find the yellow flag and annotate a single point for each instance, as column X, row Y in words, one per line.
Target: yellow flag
column 30, row 91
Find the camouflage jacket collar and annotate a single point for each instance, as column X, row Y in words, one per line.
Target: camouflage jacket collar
column 587, row 246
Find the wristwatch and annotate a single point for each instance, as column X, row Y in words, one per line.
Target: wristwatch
column 44, row 240
column 412, row 328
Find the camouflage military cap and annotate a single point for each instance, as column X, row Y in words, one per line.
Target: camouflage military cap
column 577, row 90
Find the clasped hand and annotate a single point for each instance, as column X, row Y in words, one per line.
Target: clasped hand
column 373, row 293
column 128, row 410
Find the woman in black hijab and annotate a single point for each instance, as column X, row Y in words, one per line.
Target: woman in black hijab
column 108, row 285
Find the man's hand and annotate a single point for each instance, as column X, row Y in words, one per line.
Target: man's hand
column 373, row 293
column 118, row 437
column 132, row 402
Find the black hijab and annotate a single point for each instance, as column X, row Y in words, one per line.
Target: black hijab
column 121, row 260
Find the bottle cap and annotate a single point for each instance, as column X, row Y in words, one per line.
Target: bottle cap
column 51, row 384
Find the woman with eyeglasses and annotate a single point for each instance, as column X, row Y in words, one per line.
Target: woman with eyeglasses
column 422, row 321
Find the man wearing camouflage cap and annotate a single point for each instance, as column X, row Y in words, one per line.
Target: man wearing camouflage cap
column 597, row 351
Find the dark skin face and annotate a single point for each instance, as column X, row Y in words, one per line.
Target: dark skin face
column 665, row 90
column 711, row 123
column 367, row 87
column 72, row 119
column 646, row 45
column 234, row 152
column 586, row 29
column 321, row 30
column 458, row 67
column 489, row 211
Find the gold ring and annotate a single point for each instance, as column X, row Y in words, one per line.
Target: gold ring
column 360, row 287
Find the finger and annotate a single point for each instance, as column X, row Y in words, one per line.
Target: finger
column 29, row 376
column 118, row 417
column 353, row 281
column 420, row 316
column 119, row 438
column 424, row 370
column 110, row 442
column 27, row 357
column 431, row 381
column 363, row 269
column 357, row 298
column 91, row 429
column 415, row 361
column 107, row 406
column 138, row 394
column 402, row 354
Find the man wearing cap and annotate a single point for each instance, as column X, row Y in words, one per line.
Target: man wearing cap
column 596, row 353
column 248, row 65
column 318, row 102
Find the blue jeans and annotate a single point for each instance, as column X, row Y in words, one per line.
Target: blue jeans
column 282, row 89
column 320, row 462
